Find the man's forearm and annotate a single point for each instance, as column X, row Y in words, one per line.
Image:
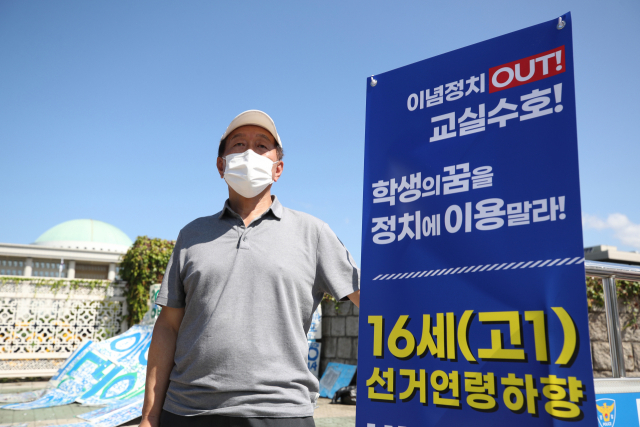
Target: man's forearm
column 355, row 298
column 159, row 366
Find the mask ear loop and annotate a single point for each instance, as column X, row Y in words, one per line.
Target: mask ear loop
column 275, row 163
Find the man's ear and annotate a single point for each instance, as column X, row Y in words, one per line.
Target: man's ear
column 278, row 170
column 220, row 165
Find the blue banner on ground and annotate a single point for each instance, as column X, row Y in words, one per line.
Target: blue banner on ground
column 474, row 306
column 115, row 414
column 335, row 376
column 25, row 396
column 100, row 373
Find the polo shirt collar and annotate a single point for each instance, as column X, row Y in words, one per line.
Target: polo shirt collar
column 276, row 209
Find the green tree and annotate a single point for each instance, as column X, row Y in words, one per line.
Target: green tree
column 628, row 296
column 143, row 265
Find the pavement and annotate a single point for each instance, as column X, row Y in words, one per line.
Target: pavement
column 325, row 415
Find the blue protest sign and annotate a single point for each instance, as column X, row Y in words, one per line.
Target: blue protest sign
column 335, row 376
column 313, row 357
column 474, row 306
column 617, row 402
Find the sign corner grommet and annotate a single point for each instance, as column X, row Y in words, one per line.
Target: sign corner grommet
column 561, row 23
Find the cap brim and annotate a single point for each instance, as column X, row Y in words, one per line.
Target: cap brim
column 255, row 118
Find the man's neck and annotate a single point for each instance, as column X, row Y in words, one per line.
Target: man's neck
column 250, row 209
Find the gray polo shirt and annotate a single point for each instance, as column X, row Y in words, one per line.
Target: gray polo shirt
column 249, row 294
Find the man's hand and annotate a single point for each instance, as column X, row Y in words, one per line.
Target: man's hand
column 160, row 364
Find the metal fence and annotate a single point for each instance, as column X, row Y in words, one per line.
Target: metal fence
column 609, row 273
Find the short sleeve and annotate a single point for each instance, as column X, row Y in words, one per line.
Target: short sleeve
column 172, row 289
column 336, row 271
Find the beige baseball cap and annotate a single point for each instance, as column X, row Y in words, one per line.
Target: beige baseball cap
column 253, row 117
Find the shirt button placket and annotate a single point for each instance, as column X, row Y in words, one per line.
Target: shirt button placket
column 243, row 235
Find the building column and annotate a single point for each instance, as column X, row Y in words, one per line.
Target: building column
column 112, row 272
column 71, row 270
column 28, row 267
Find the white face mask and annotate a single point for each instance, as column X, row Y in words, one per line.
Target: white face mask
column 248, row 173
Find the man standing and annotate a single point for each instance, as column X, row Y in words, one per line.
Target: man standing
column 230, row 347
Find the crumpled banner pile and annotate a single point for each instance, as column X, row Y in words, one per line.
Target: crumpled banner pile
column 109, row 373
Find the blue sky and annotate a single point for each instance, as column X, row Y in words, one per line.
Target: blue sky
column 113, row 110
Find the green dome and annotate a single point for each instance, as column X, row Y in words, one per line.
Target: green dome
column 85, row 234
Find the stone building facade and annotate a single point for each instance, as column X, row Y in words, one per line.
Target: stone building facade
column 339, row 334
column 340, row 339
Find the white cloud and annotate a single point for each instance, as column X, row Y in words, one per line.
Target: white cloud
column 623, row 229
column 592, row 221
